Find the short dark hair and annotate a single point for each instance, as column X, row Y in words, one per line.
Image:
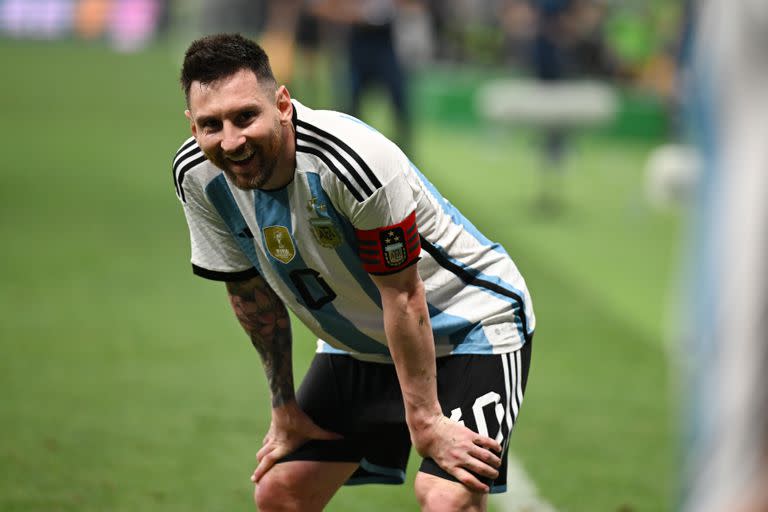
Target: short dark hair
column 218, row 56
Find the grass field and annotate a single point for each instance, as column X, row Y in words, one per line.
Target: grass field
column 127, row 385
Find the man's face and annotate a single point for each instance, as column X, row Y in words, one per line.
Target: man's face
column 239, row 124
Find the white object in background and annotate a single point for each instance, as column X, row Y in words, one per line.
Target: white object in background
column 576, row 103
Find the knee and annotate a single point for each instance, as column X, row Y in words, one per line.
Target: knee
column 434, row 500
column 447, row 496
column 272, row 494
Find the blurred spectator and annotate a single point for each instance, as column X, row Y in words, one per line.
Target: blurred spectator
column 128, row 24
column 310, row 38
column 278, row 36
column 133, row 23
column 45, row 19
column 372, row 57
column 246, row 16
column 550, row 63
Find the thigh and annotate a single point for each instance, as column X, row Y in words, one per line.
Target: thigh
column 485, row 393
column 362, row 402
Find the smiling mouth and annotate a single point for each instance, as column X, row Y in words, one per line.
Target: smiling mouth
column 241, row 160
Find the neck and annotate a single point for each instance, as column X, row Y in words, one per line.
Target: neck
column 286, row 166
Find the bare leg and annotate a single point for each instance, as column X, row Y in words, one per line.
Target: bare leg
column 305, row 486
column 437, row 494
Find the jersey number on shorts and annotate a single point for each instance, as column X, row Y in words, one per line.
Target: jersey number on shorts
column 314, row 291
column 477, row 411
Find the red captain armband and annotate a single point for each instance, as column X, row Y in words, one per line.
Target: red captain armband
column 391, row 248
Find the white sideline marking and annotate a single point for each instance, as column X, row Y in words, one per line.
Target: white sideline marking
column 522, row 494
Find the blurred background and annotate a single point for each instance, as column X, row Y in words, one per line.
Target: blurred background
column 555, row 125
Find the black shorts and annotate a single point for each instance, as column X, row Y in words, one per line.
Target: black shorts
column 362, row 401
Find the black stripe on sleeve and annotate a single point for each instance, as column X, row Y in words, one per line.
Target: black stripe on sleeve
column 175, row 163
column 202, row 158
column 182, row 149
column 468, row 278
column 374, row 180
column 339, row 174
column 214, row 275
column 330, row 149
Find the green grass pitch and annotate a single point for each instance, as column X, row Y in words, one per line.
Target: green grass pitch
column 127, row 385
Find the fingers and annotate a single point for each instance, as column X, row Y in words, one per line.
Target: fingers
column 470, row 481
column 487, row 442
column 277, row 446
column 485, row 458
column 268, row 447
column 265, row 464
column 482, row 458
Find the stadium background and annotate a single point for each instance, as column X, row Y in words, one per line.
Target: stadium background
column 127, row 383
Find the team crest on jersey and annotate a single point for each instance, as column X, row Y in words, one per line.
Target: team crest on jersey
column 279, row 243
column 325, row 232
column 393, row 244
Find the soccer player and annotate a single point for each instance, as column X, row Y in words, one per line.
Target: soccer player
column 425, row 325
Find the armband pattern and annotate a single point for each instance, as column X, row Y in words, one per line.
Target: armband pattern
column 389, row 249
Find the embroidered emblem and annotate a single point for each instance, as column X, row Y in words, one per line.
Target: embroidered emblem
column 325, row 232
column 393, row 244
column 279, row 243
column 313, row 205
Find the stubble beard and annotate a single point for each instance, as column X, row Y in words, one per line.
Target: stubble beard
column 251, row 181
column 264, row 162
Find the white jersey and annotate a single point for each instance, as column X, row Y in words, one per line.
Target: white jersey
column 356, row 206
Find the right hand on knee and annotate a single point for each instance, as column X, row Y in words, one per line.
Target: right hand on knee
column 458, row 450
column 290, row 428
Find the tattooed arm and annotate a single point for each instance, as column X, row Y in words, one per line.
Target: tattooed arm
column 265, row 319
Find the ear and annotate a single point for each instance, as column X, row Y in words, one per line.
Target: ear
column 192, row 124
column 284, row 105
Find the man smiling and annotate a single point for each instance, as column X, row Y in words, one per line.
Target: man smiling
column 424, row 325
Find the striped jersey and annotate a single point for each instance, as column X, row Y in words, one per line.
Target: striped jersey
column 356, row 206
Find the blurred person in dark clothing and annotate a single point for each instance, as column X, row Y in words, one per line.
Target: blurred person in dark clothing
column 549, row 63
column 372, row 57
column 567, row 45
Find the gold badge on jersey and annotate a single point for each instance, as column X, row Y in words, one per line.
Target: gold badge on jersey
column 325, row 232
column 279, row 243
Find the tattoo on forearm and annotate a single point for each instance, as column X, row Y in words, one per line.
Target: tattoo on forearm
column 264, row 317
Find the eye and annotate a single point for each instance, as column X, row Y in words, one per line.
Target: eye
column 211, row 125
column 245, row 116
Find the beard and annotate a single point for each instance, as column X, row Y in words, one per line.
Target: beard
column 259, row 168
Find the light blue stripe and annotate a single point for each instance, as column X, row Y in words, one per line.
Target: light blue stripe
column 325, row 348
column 347, row 251
column 456, row 215
column 273, row 209
column 221, row 196
column 382, row 470
column 465, row 336
column 518, row 306
column 475, row 342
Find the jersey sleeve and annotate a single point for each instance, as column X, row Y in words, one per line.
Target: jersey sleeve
column 385, row 222
column 215, row 254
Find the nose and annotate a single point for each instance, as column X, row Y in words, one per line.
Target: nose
column 232, row 138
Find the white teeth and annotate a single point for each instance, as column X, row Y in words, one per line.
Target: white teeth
column 240, row 158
